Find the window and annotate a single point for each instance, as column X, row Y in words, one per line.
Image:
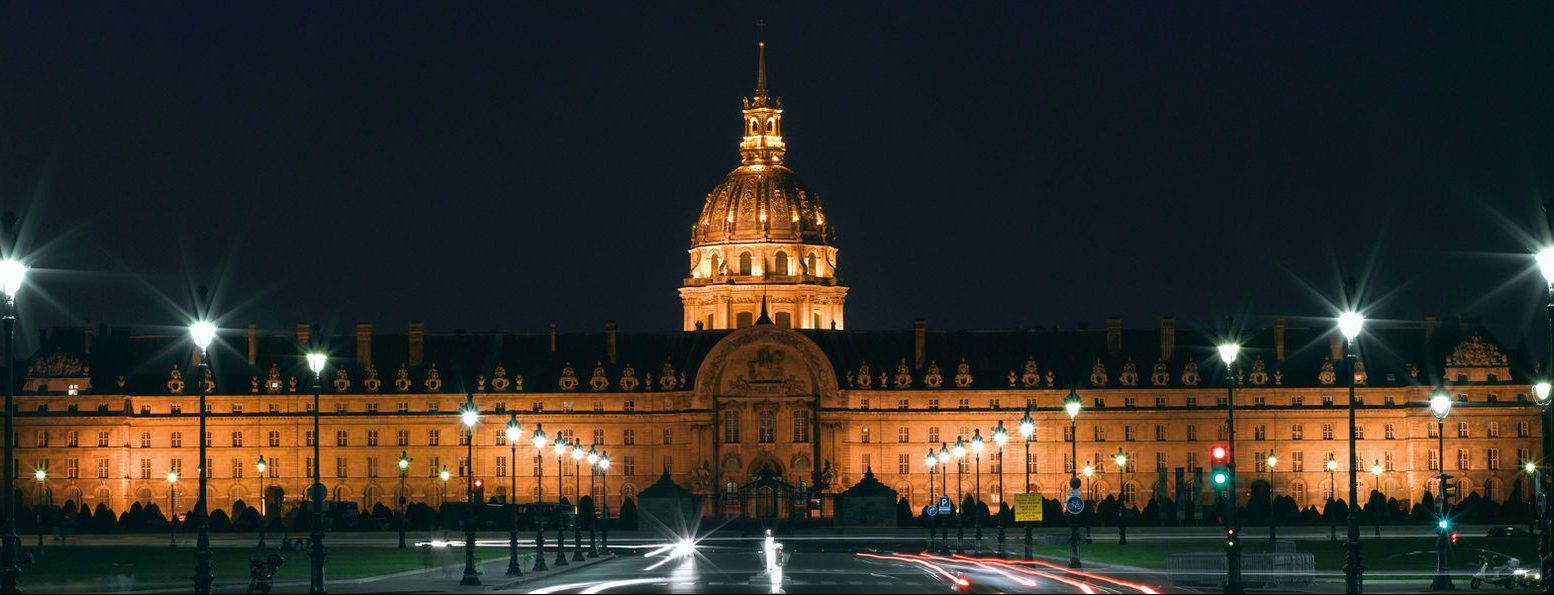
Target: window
column 903, row 434
column 1160, row 401
column 177, row 439
column 464, row 437
column 1431, row 430
column 309, row 467
column 145, row 439
column 1160, row 433
column 1297, row 401
column 402, row 407
column 176, row 466
column 1494, row 459
column 1462, row 429
column 768, row 427
column 372, row 408
column 72, row 439
column 1298, row 461
column 1260, row 461
column 208, row 439
column 1259, row 401
column 1494, row 429
column 801, row 425
column 237, row 468
column 372, row 438
column 433, row 437
column 537, row 407
column 1192, row 402
column 1068, row 463
column 993, row 404
column 668, row 436
column 237, row 439
column 342, row 438
column 903, row 464
column 629, row 437
column 1521, row 429
column 1127, row 433
column 964, row 403
column 145, row 468
column 43, row 439
column 1192, row 462
column 275, row 407
column 1463, row 460
column 863, row 435
column 1435, row 460
column 273, row 466
column 997, row 459
column 1359, row 432
column 629, row 406
column 1387, row 461
column 1389, row 432
column 628, row 466
column 342, row 408
column 903, row 404
column 1160, row 461
column 731, row 427
column 275, row 438
column 176, row 409
column 1260, row 432
column 1129, row 402
column 501, row 466
column 1297, row 432
column 933, row 403
column 780, row 263
column 1192, row 433
column 1099, row 432
column 402, row 438
column 745, row 263
column 1030, row 464
column 372, row 466
column 1068, row 433
column 598, row 436
column 340, row 467
column 933, row 434
column 102, row 439
column 863, row 404
column 432, row 406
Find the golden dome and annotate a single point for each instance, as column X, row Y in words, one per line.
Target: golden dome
column 759, row 203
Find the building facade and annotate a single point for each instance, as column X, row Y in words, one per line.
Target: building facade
column 763, row 382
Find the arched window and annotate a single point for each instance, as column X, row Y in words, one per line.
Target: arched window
column 784, row 320
column 1298, row 493
column 745, row 263
column 780, row 263
column 817, row 320
column 1129, row 490
column 717, row 265
column 743, row 319
column 768, row 427
column 810, row 265
column 731, row 427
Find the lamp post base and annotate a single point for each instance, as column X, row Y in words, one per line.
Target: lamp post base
column 514, row 567
column 539, row 551
column 561, row 549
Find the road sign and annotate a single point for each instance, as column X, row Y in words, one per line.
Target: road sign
column 1027, row 507
column 946, row 506
column 1075, row 505
column 931, row 510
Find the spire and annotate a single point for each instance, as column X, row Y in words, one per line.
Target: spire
column 760, row 64
column 763, row 318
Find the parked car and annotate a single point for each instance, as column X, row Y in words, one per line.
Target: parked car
column 1506, row 531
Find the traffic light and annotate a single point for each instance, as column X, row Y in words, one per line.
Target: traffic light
column 1220, row 475
column 480, row 490
column 1230, row 537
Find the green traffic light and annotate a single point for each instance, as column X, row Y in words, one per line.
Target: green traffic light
column 1221, row 478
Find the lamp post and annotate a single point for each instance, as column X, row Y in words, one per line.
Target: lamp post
column 1027, row 429
column 442, row 496
column 469, row 415
column 976, row 499
column 1121, row 459
column 263, row 507
column 172, row 508
column 316, row 491
column 1331, row 464
column 593, row 471
column 959, row 452
column 1000, row 437
column 538, row 439
column 1071, row 406
column 1440, row 405
column 44, row 499
column 1088, row 472
column 577, row 507
column 933, row 503
column 559, row 448
column 1531, row 469
column 1227, row 353
column 1377, row 470
column 404, row 468
column 1273, row 498
column 12, row 274
column 944, row 527
column 1350, row 324
column 513, row 432
column 1545, row 259
column 604, row 482
column 202, row 332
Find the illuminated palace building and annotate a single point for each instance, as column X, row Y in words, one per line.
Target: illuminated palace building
column 765, row 385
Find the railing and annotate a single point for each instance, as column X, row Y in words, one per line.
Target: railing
column 1285, row 568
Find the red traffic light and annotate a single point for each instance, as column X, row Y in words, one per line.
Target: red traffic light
column 480, row 483
column 1219, row 453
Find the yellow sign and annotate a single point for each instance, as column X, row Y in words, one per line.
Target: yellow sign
column 1027, row 507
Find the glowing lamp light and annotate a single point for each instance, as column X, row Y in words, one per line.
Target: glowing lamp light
column 559, row 447
column 1530, row 467
column 1442, row 524
column 40, row 474
column 1121, row 459
column 1071, row 404
column 1542, row 391
column 1089, row 470
column 404, row 461
column 931, row 459
column 959, row 450
column 12, row 274
column 1000, row 435
column 1440, row 403
column 1545, row 258
column 1027, row 425
column 1228, row 352
column 1376, row 469
column 1273, row 460
column 577, row 451
column 944, row 452
column 469, row 416
column 1350, row 323
column 261, row 465
column 316, row 362
column 539, row 437
column 604, row 461
column 172, row 477
column 444, row 475
column 593, row 456
column 1331, row 463
column 202, row 332
column 513, row 431
column 976, row 442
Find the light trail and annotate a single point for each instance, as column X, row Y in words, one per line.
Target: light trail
column 1082, row 587
column 950, row 576
column 602, row 587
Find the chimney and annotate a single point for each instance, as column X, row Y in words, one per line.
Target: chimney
column 609, row 339
column 1167, row 338
column 1430, row 324
column 1278, row 338
column 89, row 331
column 1114, row 336
column 552, row 337
column 417, row 342
column 919, row 342
column 364, row 344
column 304, row 333
column 253, row 344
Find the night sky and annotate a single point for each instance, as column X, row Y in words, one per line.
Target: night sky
column 509, row 165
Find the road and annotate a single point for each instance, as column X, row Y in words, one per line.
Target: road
column 817, row 566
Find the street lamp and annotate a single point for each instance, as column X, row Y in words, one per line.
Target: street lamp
column 944, row 527
column 593, row 471
column 959, row 452
column 442, row 497
column 1027, row 429
column 559, row 448
column 316, row 362
column 1071, row 406
column 604, row 482
column 404, row 469
column 202, row 332
column 469, row 415
column 41, row 475
column 172, row 508
column 1543, row 395
column 976, row 499
column 1377, row 470
column 1440, row 405
column 1000, row 437
column 1121, row 459
column 1273, row 498
column 539, row 441
column 263, row 506
column 12, row 275
column 1331, row 464
column 1350, row 324
column 513, row 432
column 576, row 449
column 933, row 503
column 1228, row 351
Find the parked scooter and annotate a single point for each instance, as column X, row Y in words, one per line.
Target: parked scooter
column 1501, row 570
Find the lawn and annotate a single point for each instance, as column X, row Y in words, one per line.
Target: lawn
column 1390, row 554
column 114, row 567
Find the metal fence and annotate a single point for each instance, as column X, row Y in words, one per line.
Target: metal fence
column 1282, row 569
